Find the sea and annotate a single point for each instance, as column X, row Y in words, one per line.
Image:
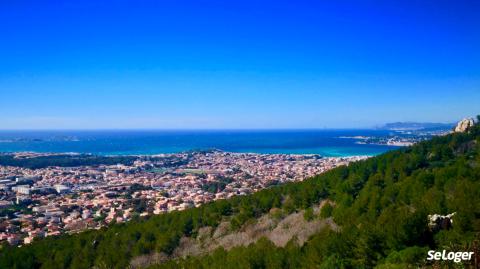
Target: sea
column 325, row 142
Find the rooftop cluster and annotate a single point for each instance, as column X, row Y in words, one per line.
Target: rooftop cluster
column 53, row 200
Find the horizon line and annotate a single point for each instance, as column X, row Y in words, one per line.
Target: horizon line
column 195, row 129
column 378, row 127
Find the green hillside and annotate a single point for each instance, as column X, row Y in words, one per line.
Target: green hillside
column 64, row 160
column 380, row 204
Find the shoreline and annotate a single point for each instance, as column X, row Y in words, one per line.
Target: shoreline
column 34, row 154
column 66, row 195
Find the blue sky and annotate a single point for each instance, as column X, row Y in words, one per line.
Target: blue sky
column 236, row 64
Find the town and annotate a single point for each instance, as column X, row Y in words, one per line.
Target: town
column 49, row 201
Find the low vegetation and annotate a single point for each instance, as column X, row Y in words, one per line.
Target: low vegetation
column 64, row 160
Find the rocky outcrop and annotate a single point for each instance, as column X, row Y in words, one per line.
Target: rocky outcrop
column 464, row 125
column 278, row 229
column 438, row 222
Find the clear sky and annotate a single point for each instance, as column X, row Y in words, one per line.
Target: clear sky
column 237, row 64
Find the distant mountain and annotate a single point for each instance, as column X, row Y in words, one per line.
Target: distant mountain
column 384, row 212
column 415, row 126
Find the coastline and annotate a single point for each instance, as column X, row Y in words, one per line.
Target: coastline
column 122, row 143
column 332, row 152
column 103, row 190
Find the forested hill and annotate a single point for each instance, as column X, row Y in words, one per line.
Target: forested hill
column 381, row 206
column 64, row 160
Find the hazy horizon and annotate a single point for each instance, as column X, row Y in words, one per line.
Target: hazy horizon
column 60, row 127
column 380, row 126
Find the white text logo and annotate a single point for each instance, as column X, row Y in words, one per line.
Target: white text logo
column 449, row 256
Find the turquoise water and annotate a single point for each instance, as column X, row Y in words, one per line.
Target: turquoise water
column 323, row 142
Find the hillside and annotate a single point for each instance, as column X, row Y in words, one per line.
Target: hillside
column 64, row 160
column 373, row 213
column 416, row 126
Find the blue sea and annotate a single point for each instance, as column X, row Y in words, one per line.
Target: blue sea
column 330, row 143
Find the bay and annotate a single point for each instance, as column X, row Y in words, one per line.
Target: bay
column 329, row 143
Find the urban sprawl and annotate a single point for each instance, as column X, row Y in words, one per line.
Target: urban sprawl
column 50, row 201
